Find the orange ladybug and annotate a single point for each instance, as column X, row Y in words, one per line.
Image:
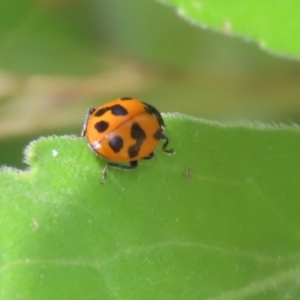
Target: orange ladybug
column 124, row 130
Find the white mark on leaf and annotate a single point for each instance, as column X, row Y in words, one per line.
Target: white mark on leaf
column 227, row 26
column 54, row 153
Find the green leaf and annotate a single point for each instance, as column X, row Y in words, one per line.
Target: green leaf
column 273, row 25
column 217, row 220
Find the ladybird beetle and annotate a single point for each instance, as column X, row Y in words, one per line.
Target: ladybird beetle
column 124, row 130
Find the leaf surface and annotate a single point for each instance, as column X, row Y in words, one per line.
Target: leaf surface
column 274, row 26
column 217, row 220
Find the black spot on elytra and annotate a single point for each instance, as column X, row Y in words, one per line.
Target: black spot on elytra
column 118, row 110
column 116, row 143
column 134, row 150
column 126, row 98
column 138, row 134
column 101, row 126
column 157, row 134
column 100, row 112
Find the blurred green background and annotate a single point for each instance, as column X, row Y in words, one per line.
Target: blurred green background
column 60, row 57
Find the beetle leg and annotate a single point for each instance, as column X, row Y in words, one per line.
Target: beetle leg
column 87, row 117
column 151, row 155
column 168, row 151
column 132, row 165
